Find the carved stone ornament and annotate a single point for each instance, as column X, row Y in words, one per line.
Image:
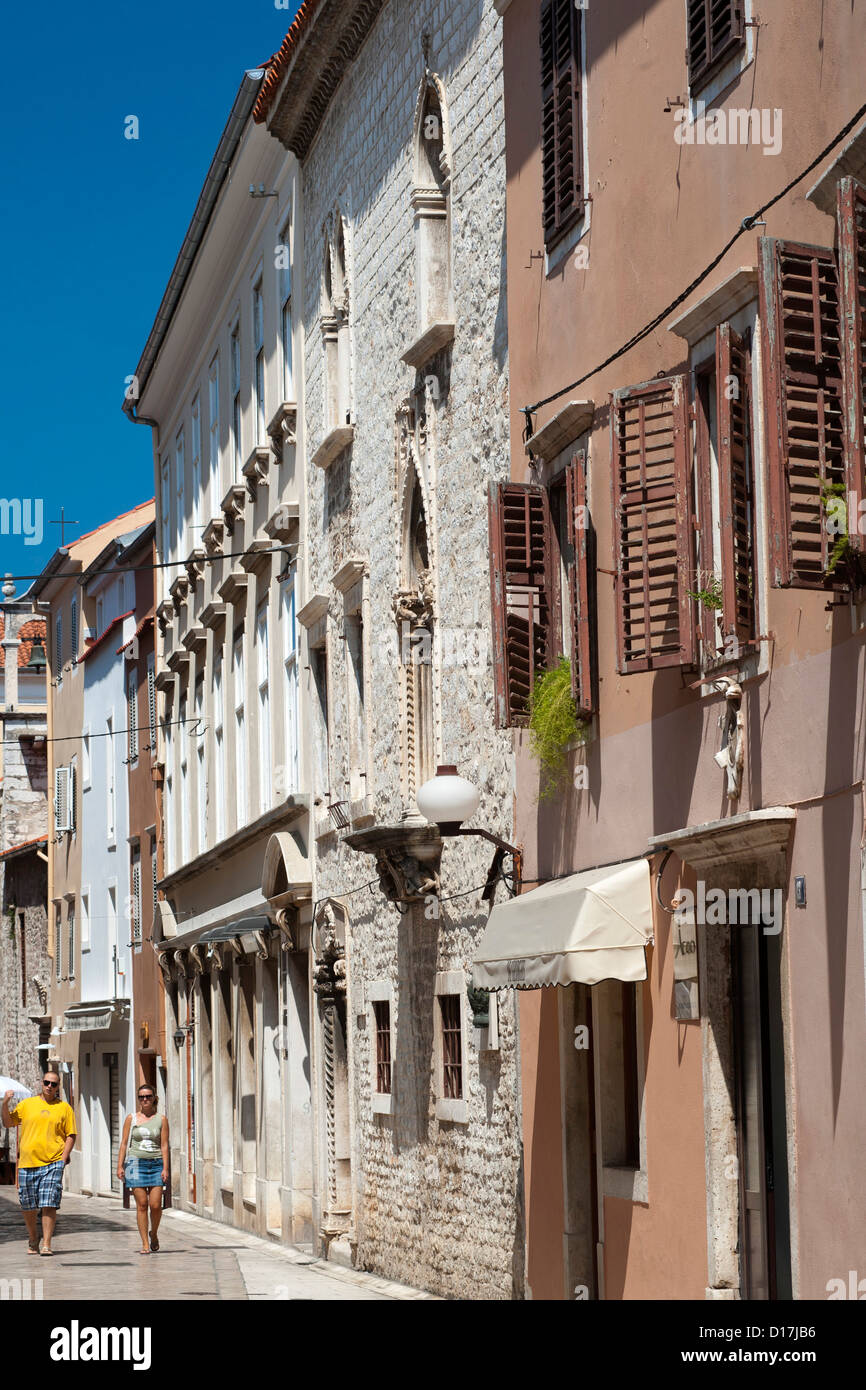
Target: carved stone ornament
column 329, row 972
column 415, row 605
column 731, row 756
column 286, row 919
column 405, row 879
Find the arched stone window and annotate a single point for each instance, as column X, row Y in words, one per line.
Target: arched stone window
column 335, row 326
column 431, row 204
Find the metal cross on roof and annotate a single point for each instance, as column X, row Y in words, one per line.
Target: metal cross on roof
column 63, row 523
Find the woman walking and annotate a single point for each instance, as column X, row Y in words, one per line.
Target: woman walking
column 145, row 1135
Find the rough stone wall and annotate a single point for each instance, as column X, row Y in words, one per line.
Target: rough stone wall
column 437, row 1204
column 23, row 887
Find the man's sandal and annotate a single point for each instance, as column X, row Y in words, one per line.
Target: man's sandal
column 154, row 1244
column 33, row 1247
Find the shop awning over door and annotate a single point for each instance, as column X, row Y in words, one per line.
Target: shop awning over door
column 588, row 927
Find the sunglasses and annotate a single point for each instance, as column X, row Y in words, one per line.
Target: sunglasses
column 54, row 1084
column 146, row 1096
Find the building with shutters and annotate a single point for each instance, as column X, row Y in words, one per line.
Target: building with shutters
column 89, row 1000
column 683, row 525
column 24, row 962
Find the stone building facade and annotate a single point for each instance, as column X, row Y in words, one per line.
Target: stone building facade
column 405, row 388
column 24, row 963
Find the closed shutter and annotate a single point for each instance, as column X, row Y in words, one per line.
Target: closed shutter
column 736, row 501
column 803, row 394
column 70, row 938
column 562, row 191
column 136, row 903
column 652, row 492
column 70, row 803
column 58, row 944
column 73, row 629
column 852, row 291
column 151, row 703
column 64, row 791
column 716, row 28
column 132, row 716
column 579, row 578
column 58, row 644
column 522, row 594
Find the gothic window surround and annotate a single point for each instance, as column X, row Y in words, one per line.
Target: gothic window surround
column 431, row 207
column 336, row 344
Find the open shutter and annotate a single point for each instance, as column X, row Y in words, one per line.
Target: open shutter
column 652, row 491
column 851, row 218
column 736, row 501
column 132, row 715
column 579, row 576
column 716, row 28
column 151, row 703
column 803, row 394
column 136, row 903
column 560, row 121
column 60, row 798
column 521, row 594
column 70, row 797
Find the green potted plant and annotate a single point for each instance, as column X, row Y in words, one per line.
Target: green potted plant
column 553, row 726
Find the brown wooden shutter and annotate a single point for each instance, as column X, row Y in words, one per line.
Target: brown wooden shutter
column 522, row 594
column 651, row 478
column 803, row 406
column 851, row 218
column 716, row 28
column 579, row 578
column 562, row 193
column 736, row 499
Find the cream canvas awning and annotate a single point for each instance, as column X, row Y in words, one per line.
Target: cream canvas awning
column 588, row 927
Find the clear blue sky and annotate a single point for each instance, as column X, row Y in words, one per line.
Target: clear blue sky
column 90, row 225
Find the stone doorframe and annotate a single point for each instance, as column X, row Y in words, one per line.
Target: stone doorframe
column 743, row 851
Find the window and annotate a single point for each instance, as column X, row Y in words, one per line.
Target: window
column 58, row 944
column 219, row 750
column 382, row 1013
column 201, row 774
column 286, row 312
column 213, row 392
column 109, row 778
column 196, row 469
column 240, row 733
column 335, row 328
column 151, row 702
column 319, row 669
column 259, row 361
column 542, row 571
column 183, row 789
column 355, row 671
column 655, row 617
column 154, row 883
column 22, row 947
column 264, row 709
column 132, row 715
column 715, row 29
column 58, row 647
column 100, row 615
column 73, row 629
column 180, row 529
column 168, row 798
column 617, row 1027
column 165, row 520
column 236, row 398
column 135, row 903
column 111, row 920
column 290, row 691
column 561, row 152
column 431, row 207
column 85, row 919
column 85, row 758
column 450, row 1046
column 70, row 941
column 63, row 810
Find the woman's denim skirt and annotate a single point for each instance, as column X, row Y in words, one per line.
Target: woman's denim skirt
column 143, row 1172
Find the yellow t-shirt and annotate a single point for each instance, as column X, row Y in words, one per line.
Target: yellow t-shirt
column 44, row 1130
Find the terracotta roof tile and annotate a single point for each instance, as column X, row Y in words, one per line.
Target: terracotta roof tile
column 280, row 61
column 16, row 849
column 98, row 641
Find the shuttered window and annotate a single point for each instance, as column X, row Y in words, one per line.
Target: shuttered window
column 580, row 573
column 136, row 898
column 852, row 289
column 132, row 715
column 716, row 29
column 562, row 191
column 522, row 587
column 151, row 703
column 652, row 526
column 736, row 499
column 64, row 793
column 803, row 396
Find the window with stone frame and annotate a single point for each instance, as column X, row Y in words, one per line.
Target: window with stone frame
column 380, row 1012
column 335, row 326
column 431, row 208
column 450, row 1046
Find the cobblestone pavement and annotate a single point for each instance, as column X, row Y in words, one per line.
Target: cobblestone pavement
column 95, row 1258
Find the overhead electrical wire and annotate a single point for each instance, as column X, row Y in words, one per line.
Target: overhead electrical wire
column 745, row 226
column 157, row 564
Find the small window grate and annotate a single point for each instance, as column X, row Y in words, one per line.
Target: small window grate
column 382, row 1011
column 338, row 811
column 452, row 1047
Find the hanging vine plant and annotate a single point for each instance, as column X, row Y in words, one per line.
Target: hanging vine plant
column 553, row 726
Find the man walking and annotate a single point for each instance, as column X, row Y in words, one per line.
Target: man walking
column 47, row 1139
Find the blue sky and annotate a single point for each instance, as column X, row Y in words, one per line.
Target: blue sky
column 90, row 225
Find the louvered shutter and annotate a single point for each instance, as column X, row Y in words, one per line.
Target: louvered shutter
column 151, row 703
column 716, row 28
column 579, row 579
column 803, row 394
column 73, row 629
column 522, row 594
column 851, row 220
column 562, row 193
column 60, row 798
column 132, row 716
column 736, row 500
column 652, row 490
column 136, row 903
column 70, row 797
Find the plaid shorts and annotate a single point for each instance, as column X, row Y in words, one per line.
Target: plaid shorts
column 41, row 1187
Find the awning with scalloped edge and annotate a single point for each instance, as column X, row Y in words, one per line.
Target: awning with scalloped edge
column 588, row 927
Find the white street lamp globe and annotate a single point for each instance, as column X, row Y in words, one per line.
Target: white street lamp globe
column 447, row 800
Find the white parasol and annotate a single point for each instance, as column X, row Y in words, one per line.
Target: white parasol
column 8, row 1083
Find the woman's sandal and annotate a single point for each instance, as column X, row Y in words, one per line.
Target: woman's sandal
column 154, row 1244
column 142, row 1252
column 33, row 1247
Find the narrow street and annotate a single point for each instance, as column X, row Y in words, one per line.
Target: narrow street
column 96, row 1243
